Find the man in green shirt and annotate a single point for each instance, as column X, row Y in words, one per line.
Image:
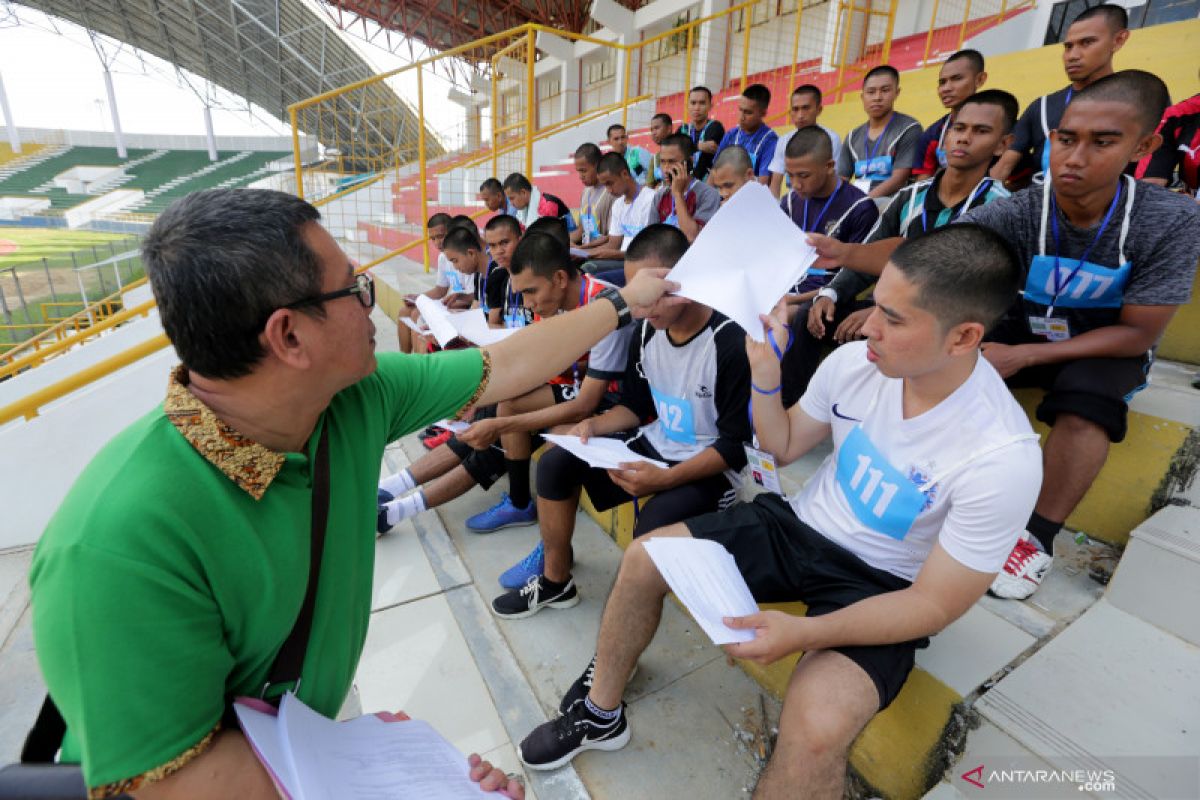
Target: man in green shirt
column 174, row 569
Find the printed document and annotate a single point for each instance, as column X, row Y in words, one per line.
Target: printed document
column 705, row 578
column 600, row 452
column 748, row 256
column 449, row 325
column 314, row 758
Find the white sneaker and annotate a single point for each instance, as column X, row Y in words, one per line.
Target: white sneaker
column 1027, row 564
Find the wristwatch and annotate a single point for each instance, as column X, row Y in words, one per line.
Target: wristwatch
column 624, row 316
column 825, row 291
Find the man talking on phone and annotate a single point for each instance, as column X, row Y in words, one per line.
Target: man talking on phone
column 682, row 200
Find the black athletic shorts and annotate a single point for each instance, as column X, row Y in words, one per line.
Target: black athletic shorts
column 784, row 560
column 1096, row 389
column 484, row 466
column 559, row 474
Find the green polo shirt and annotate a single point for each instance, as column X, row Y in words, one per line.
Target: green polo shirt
column 162, row 586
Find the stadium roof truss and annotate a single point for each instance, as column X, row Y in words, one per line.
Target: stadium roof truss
column 270, row 52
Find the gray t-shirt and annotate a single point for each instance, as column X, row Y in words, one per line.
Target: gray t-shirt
column 898, row 140
column 1162, row 244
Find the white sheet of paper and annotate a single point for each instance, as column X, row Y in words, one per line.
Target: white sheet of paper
column 705, row 578
column 452, row 425
column 600, row 452
column 437, row 317
column 367, row 758
column 417, row 328
column 747, row 257
column 579, row 252
column 263, row 732
column 472, row 326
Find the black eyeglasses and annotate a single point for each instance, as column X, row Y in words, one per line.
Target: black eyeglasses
column 363, row 289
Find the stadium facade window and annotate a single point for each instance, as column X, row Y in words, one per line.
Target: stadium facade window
column 1152, row 12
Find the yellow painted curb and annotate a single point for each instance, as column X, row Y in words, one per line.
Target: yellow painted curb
column 1181, row 341
column 1119, row 500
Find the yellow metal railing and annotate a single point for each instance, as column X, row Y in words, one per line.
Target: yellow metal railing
column 38, row 356
column 952, row 22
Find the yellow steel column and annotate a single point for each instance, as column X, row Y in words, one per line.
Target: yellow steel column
column 845, row 25
column 530, row 103
column 296, row 154
column 495, row 115
column 932, row 25
column 795, row 48
column 747, row 19
column 687, row 69
column 421, row 157
column 962, row 31
column 887, row 36
column 625, row 88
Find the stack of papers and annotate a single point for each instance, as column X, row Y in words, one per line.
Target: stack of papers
column 314, row 758
column 748, row 256
column 600, row 452
column 447, row 325
column 705, row 578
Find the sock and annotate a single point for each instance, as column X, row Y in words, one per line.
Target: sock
column 1043, row 530
column 405, row 507
column 399, row 483
column 518, row 482
column 601, row 713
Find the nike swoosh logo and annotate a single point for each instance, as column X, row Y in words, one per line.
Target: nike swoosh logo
column 836, row 413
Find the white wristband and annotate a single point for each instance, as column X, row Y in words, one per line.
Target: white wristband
column 828, row 292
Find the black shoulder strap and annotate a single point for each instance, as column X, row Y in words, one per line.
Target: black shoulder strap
column 46, row 735
column 289, row 661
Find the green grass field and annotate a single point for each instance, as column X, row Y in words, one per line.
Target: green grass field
column 21, row 246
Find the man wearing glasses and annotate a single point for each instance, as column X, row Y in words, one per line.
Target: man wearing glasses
column 176, row 566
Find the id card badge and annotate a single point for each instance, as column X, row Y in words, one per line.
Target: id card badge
column 862, row 184
column 590, row 228
column 763, row 470
column 1055, row 329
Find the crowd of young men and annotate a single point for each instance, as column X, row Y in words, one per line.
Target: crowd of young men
column 941, row 294
column 962, row 285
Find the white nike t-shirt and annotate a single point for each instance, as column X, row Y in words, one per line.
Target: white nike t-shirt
column 457, row 282
column 977, row 444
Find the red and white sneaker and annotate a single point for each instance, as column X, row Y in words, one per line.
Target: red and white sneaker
column 1027, row 564
column 437, row 440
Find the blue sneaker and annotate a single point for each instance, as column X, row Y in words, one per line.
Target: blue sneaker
column 503, row 515
column 519, row 574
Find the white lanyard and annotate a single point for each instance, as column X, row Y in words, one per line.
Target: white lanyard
column 1130, row 184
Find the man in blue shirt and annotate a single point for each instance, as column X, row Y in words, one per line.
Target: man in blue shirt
column 752, row 133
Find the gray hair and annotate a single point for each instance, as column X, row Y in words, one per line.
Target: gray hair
column 220, row 262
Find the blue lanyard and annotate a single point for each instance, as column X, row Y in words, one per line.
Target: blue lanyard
column 964, row 208
column 762, row 129
column 697, row 135
column 817, row 221
column 871, row 151
column 778, row 354
column 685, row 194
column 1059, row 286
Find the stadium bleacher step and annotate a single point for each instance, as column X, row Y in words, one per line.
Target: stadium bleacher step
column 22, row 163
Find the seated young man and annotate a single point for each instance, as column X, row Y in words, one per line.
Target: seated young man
column 661, row 126
column 531, row 203
column 595, row 202
column 452, row 287
column 898, row 533
column 681, row 200
column 687, row 372
column 636, row 158
column 731, row 170
column 543, row 275
column 491, row 192
column 981, row 129
column 878, row 154
column 630, row 212
column 804, row 108
column 1109, row 261
column 961, row 75
column 752, row 133
column 820, row 201
column 499, row 302
column 705, row 132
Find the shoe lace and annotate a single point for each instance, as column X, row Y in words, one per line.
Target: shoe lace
column 1020, row 555
column 589, row 674
column 531, row 586
column 504, row 502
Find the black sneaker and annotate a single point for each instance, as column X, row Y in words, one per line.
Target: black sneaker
column 536, row 594
column 583, row 684
column 554, row 743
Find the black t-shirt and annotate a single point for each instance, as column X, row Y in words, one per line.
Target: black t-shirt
column 711, row 131
column 493, row 292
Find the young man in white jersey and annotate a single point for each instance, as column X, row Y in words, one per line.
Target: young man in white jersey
column 898, row 533
column 687, row 372
column 595, row 202
column 804, row 109
column 630, row 212
column 1092, row 40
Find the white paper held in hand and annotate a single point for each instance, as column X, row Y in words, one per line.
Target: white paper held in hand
column 437, row 318
column 747, row 257
column 705, row 578
column 600, row 452
column 449, row 325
